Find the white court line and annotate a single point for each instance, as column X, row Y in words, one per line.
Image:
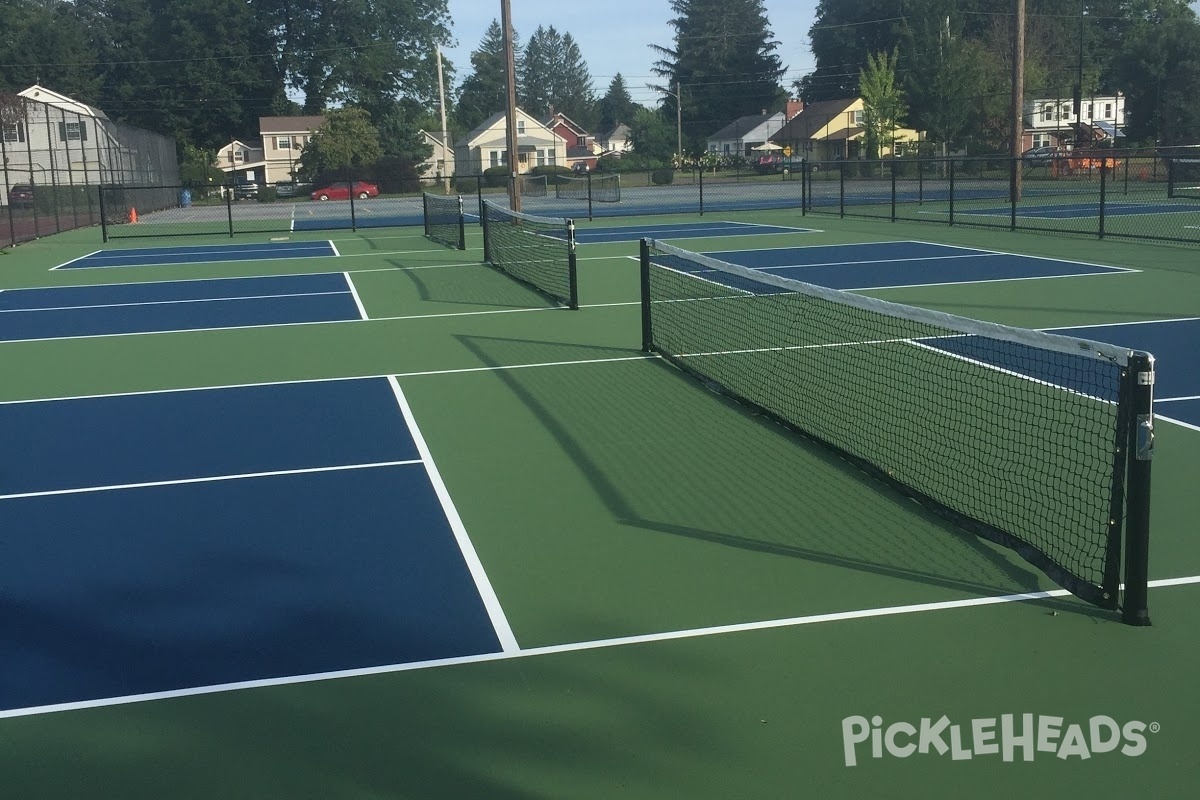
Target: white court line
column 1179, row 422
column 871, row 261
column 508, row 642
column 199, row 263
column 1120, row 324
column 333, row 247
column 571, row 647
column 73, row 260
column 990, row 280
column 1175, row 399
column 362, row 312
column 165, row 302
column 205, row 479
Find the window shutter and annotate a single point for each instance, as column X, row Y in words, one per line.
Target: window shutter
column 82, row 131
column 62, row 131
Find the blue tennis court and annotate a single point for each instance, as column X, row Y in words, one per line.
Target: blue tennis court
column 57, row 312
column 198, row 254
column 166, row 541
column 885, row 265
column 678, row 230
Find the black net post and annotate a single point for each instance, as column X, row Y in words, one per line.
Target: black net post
column 647, row 329
column 700, row 178
column 572, row 267
column 479, row 197
column 920, row 179
column 803, row 187
column 483, row 220
column 425, row 212
column 462, row 226
column 1140, row 378
column 229, row 206
column 589, row 191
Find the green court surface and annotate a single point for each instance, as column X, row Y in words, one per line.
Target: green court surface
column 700, row 599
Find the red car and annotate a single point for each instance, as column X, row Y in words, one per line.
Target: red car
column 342, row 189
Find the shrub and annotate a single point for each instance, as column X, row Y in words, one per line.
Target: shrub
column 267, row 194
column 496, row 177
column 662, row 177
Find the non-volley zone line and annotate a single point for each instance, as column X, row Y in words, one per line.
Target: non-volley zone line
column 169, row 306
column 586, row 645
column 201, row 254
column 900, row 264
column 261, row 491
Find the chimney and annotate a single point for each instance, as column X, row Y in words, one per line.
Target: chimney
column 794, row 106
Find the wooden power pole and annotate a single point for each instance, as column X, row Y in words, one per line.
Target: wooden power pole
column 510, row 70
column 1018, row 95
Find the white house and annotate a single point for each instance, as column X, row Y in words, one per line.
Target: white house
column 740, row 137
column 48, row 138
column 1052, row 121
column 440, row 163
column 486, row 146
column 616, row 141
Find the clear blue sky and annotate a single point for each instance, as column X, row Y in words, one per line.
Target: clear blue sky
column 614, row 35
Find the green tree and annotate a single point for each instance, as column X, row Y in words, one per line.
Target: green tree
column 197, row 168
column 1159, row 68
column 652, row 137
column 554, row 77
column 46, row 42
column 883, row 105
column 347, row 139
column 616, row 105
column 352, row 50
column 485, row 91
column 724, row 58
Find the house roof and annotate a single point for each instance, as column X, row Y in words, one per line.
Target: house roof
column 289, row 124
column 560, row 118
column 812, row 119
column 743, row 125
column 485, row 126
column 41, row 94
column 618, row 131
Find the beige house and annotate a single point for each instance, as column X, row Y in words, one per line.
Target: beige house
column 616, row 141
column 832, row 129
column 440, row 163
column 486, row 146
column 275, row 156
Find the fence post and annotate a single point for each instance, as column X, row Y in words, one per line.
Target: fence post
column 1013, row 168
column 803, row 187
column 350, row 192
column 1103, row 194
column 842, row 188
column 589, row 188
column 229, row 204
column 893, row 166
column 103, row 216
column 700, row 173
column 951, row 191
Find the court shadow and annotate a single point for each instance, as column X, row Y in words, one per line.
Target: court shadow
column 667, row 457
column 470, row 285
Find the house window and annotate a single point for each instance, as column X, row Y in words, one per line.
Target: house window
column 856, row 117
column 581, row 141
column 283, row 143
column 1108, row 111
column 494, row 159
column 14, row 132
column 1041, row 140
column 72, row 132
column 520, row 126
column 1047, row 113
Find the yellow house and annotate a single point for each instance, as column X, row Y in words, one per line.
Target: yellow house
column 832, row 129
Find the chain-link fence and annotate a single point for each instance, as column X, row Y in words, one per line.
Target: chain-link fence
column 1106, row 193
column 54, row 159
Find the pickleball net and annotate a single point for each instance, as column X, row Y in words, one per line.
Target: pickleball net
column 1036, row 441
column 538, row 251
column 444, row 220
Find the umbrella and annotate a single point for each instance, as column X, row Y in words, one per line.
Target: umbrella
column 768, row 146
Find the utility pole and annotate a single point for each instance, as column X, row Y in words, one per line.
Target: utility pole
column 445, row 143
column 510, row 69
column 1018, row 96
column 678, row 95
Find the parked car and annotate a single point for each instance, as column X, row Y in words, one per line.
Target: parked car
column 580, row 168
column 244, row 189
column 342, row 189
column 20, row 195
column 774, row 163
column 1040, row 156
column 285, row 189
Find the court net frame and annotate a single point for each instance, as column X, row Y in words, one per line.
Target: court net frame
column 792, row 352
column 602, row 189
column 445, row 222
column 537, row 251
column 1183, row 171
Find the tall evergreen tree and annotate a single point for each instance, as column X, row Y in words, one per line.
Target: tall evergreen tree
column 554, row 77
column 47, row 43
column 616, row 105
column 724, row 59
column 485, row 91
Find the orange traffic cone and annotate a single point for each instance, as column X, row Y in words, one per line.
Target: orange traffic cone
column 132, row 215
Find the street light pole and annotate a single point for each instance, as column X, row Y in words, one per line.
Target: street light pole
column 678, row 95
